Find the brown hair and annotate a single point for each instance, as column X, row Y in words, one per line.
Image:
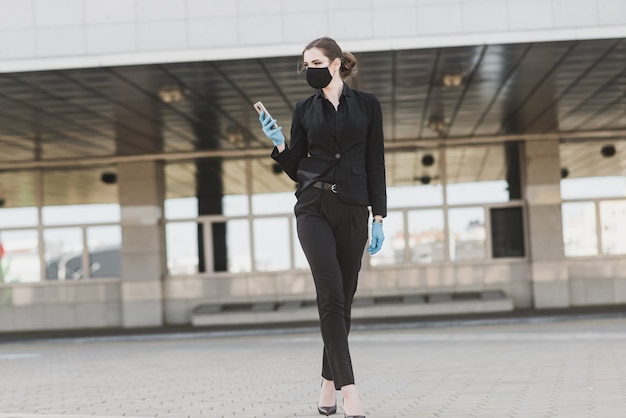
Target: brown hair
column 332, row 51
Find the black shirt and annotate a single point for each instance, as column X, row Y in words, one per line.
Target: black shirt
column 336, row 121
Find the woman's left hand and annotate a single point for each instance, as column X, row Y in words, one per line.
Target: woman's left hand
column 377, row 238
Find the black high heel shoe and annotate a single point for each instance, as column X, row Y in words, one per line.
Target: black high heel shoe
column 327, row 410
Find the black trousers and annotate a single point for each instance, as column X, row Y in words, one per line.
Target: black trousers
column 333, row 235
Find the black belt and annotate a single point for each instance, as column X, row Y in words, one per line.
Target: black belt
column 325, row 186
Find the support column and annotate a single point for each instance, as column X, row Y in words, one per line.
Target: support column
column 549, row 273
column 138, row 131
column 141, row 188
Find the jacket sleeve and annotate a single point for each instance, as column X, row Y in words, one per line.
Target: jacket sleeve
column 375, row 160
column 290, row 158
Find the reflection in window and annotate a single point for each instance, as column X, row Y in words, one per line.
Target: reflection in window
column 426, row 236
column 467, row 233
column 271, row 244
column 613, row 214
column 579, row 229
column 181, row 243
column 394, row 245
column 104, row 244
column 19, row 256
column 238, row 244
column 63, row 249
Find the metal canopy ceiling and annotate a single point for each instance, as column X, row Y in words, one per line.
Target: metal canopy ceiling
column 429, row 96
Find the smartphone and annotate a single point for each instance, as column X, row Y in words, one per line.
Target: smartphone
column 261, row 109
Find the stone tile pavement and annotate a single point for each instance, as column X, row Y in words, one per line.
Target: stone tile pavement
column 564, row 368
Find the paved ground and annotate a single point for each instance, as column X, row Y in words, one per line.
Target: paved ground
column 565, row 368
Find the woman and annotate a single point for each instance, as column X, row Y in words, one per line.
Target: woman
column 336, row 155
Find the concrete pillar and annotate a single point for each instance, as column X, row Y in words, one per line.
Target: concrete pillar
column 141, row 190
column 138, row 130
column 543, row 194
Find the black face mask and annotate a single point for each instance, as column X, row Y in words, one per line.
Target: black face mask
column 318, row 78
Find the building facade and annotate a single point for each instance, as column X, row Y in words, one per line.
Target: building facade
column 136, row 183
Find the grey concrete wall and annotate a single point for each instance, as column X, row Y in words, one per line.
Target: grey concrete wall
column 60, row 305
column 184, row 293
column 100, row 303
column 52, row 34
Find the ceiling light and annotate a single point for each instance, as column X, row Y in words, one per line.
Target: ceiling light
column 108, row 178
column 234, row 134
column 277, row 168
column 437, row 124
column 608, row 151
column 452, row 80
column 171, row 93
column 428, row 160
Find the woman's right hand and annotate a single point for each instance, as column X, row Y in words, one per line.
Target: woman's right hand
column 272, row 130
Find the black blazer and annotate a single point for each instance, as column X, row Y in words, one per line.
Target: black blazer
column 358, row 155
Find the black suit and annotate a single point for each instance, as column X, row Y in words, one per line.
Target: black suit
column 356, row 153
column 344, row 147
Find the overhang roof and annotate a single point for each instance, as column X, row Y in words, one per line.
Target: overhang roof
column 575, row 90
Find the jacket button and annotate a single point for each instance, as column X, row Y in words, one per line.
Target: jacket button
column 337, row 156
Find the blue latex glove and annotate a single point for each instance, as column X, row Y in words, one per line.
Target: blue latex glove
column 272, row 132
column 377, row 238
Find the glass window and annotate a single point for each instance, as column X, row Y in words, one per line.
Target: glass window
column 273, row 203
column 209, row 186
column 413, row 179
column 592, row 169
column 467, row 233
column 63, row 253
column 579, row 229
column 181, row 243
column 80, row 214
column 481, row 174
column 613, row 214
column 19, row 256
column 17, row 217
column 507, row 232
column 273, row 189
column 104, row 243
column 394, row 246
column 426, row 236
column 238, row 246
column 235, row 200
column 411, row 196
column 271, row 244
column 235, row 204
column 593, row 187
column 181, row 208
